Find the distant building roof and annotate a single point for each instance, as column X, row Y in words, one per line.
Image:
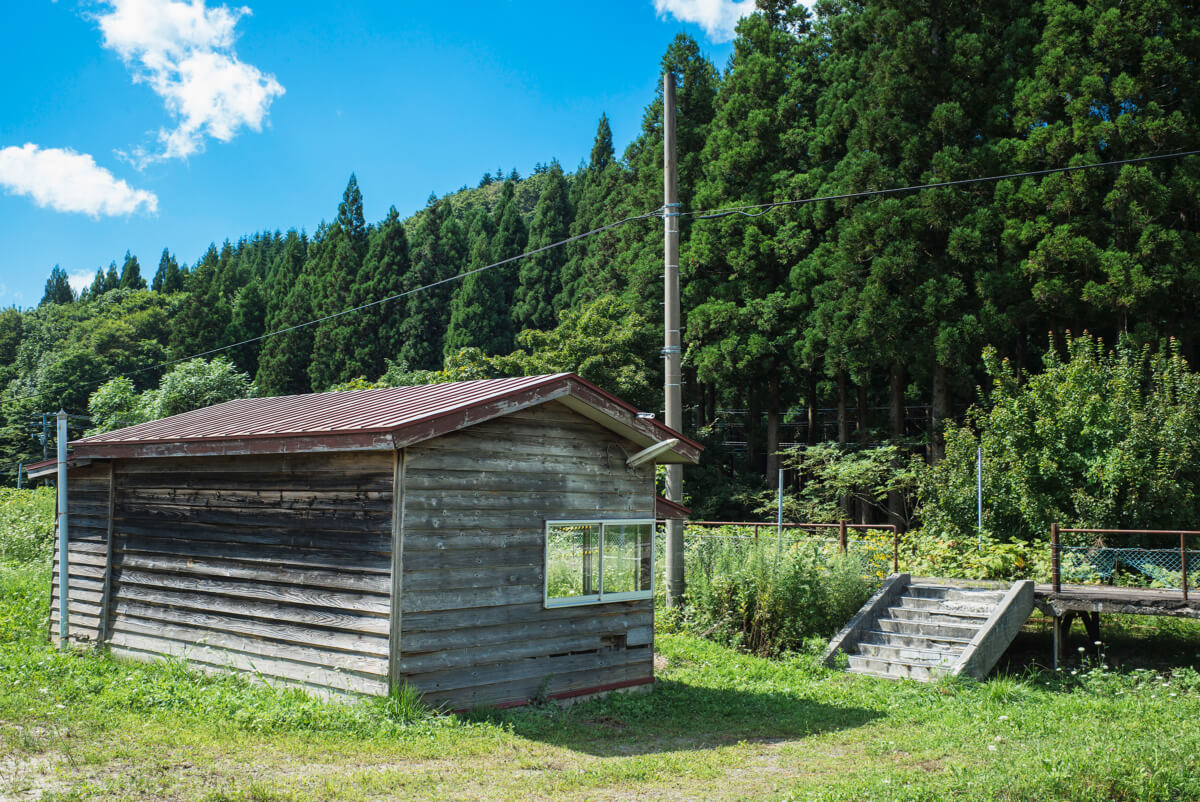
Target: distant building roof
column 386, row 418
column 664, row 508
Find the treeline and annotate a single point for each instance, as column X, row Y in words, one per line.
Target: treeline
column 855, row 304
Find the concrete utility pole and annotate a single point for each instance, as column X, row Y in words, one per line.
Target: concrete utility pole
column 672, row 350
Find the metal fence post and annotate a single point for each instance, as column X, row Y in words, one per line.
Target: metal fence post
column 895, row 549
column 1055, row 568
column 1183, row 564
column 63, row 535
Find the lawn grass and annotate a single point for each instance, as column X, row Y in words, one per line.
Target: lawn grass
column 719, row 725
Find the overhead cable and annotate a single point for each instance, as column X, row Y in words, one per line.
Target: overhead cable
column 749, row 210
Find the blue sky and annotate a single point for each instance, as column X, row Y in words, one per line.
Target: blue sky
column 143, row 124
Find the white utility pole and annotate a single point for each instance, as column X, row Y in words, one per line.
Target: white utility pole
column 672, row 351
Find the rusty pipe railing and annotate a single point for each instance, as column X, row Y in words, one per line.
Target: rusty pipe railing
column 1055, row 548
column 842, row 528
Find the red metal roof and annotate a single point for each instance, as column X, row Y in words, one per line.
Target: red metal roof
column 664, row 508
column 368, row 419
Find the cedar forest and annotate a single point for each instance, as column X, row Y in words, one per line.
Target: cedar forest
column 870, row 307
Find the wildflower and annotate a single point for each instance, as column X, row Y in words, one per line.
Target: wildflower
column 1003, row 718
column 1098, row 643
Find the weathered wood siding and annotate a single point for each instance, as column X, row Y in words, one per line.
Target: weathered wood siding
column 474, row 627
column 279, row 565
column 87, row 531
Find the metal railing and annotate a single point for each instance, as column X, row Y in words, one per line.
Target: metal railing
column 843, row 531
column 1159, row 565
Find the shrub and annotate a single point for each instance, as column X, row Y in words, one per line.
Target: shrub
column 26, row 525
column 766, row 596
column 1106, row 438
column 924, row 553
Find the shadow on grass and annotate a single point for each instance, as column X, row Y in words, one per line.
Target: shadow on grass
column 1127, row 641
column 676, row 716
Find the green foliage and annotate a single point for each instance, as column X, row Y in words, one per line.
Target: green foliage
column 540, row 275
column 131, row 274
column 58, row 288
column 190, row 385
column 834, row 473
column 968, row 556
column 26, row 525
column 115, row 405
column 1105, row 438
column 602, row 342
column 768, row 597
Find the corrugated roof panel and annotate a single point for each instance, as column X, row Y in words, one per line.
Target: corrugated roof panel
column 352, row 411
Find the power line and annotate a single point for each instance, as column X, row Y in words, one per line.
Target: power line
column 413, row 291
column 710, row 214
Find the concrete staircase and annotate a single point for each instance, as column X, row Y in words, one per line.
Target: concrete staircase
column 925, row 628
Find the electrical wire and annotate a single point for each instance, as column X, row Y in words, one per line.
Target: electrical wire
column 708, row 214
column 712, row 214
column 361, row 307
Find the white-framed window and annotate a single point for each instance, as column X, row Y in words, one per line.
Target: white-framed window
column 591, row 562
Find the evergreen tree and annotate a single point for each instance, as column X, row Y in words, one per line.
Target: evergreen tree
column 1108, row 250
column 203, row 317
column 283, row 359
column 540, row 276
column 744, row 328
column 438, row 252
column 168, row 277
column 636, row 253
column 247, row 321
column 332, row 273
column 602, row 148
column 587, row 269
column 58, row 288
column 470, row 302
column 104, row 281
column 131, row 274
column 481, row 314
column 379, row 334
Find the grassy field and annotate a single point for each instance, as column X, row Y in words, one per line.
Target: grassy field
column 719, row 725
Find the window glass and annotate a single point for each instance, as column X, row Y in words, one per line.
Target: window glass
column 573, row 560
column 595, row 561
column 627, row 554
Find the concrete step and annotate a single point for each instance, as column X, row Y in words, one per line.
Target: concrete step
column 908, row 654
column 956, row 618
column 956, row 593
column 978, row 609
column 875, row 667
column 913, row 640
column 926, row 628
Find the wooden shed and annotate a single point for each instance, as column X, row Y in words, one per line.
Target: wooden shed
column 484, row 542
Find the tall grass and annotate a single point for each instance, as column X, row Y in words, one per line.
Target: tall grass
column 26, row 525
column 767, row 596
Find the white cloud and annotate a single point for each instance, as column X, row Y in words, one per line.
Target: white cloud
column 80, row 281
column 183, row 50
column 66, row 181
column 717, row 17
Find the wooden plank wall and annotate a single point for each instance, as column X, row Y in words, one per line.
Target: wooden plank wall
column 87, row 530
column 475, row 630
column 279, row 565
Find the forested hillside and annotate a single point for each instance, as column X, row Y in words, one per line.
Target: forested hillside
column 868, row 306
